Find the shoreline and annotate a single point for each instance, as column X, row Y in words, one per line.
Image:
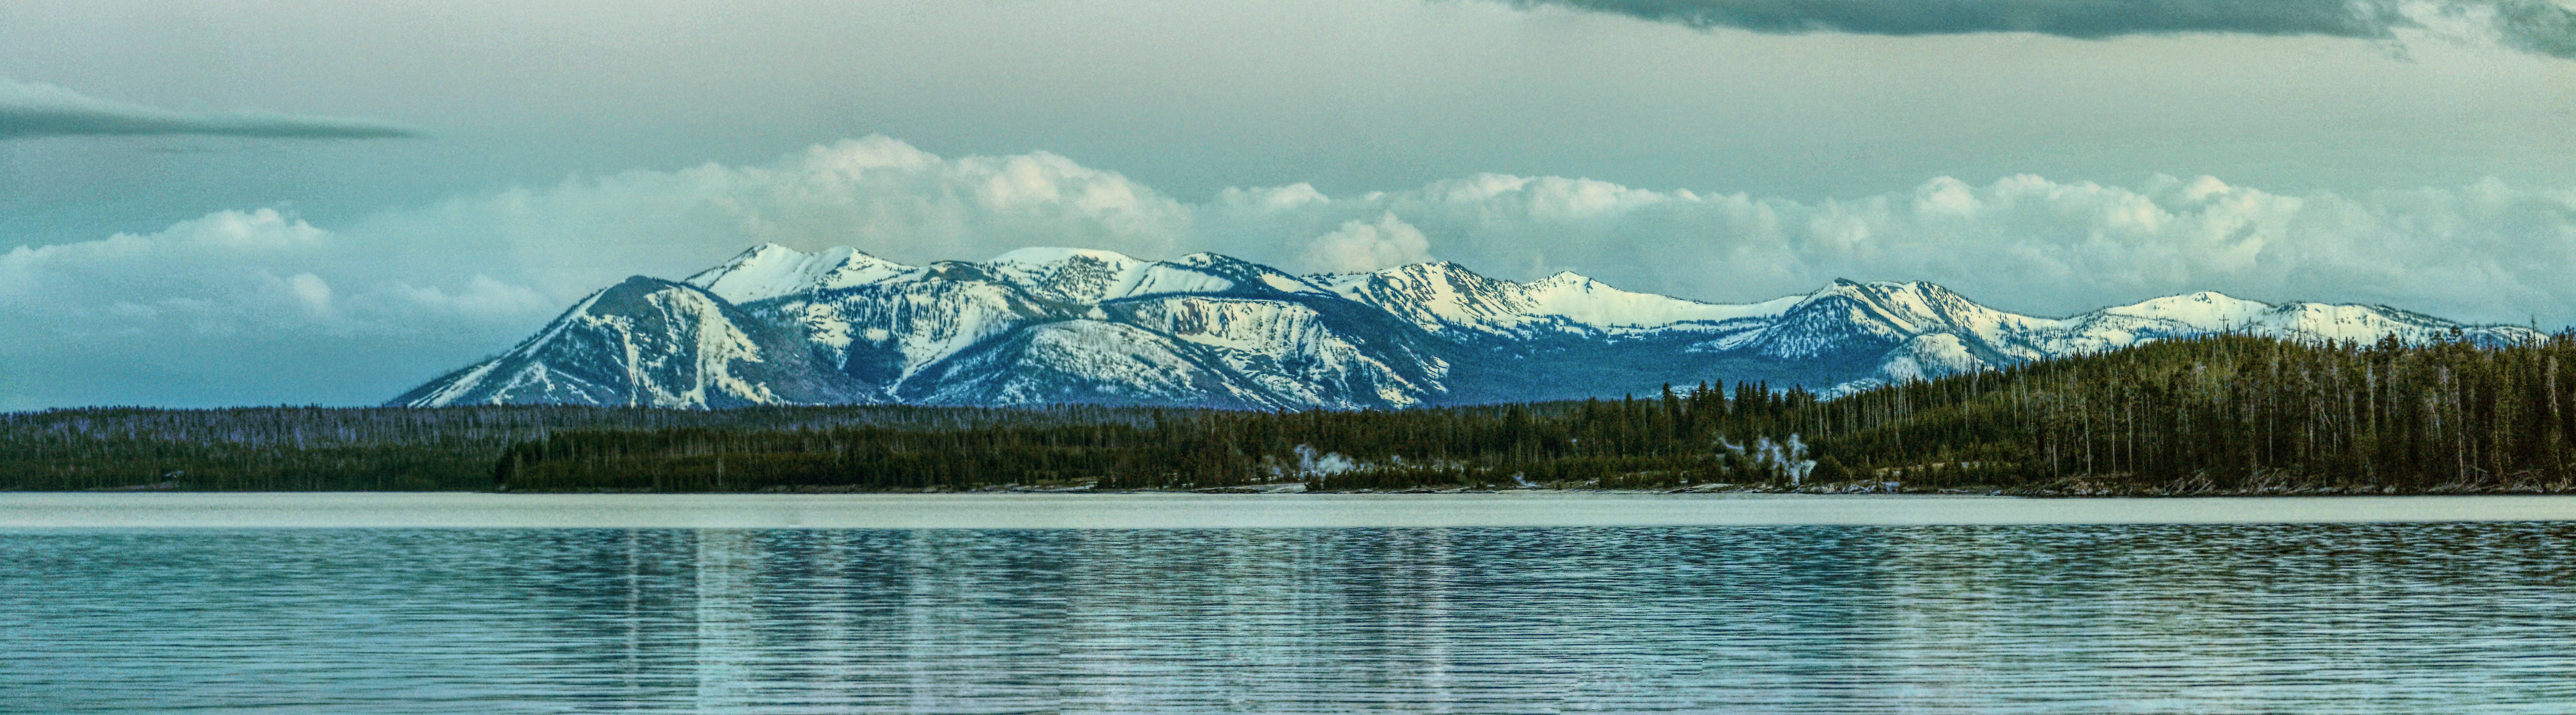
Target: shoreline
column 1183, row 510
column 2068, row 489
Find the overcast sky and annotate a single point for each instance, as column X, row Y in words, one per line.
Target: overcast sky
column 244, row 202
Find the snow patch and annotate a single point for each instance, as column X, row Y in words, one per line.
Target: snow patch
column 772, row 271
column 1444, row 296
column 2206, row 310
column 1929, row 356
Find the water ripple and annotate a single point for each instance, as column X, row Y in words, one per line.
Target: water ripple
column 2317, row 618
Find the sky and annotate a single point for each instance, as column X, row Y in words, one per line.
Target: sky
column 289, row 202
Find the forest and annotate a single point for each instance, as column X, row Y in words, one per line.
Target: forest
column 2221, row 414
column 2231, row 414
column 385, row 448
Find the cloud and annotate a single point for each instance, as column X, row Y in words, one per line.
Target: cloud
column 244, row 272
column 38, row 110
column 520, row 254
column 2486, row 251
column 2540, row 26
column 258, row 306
column 1360, row 247
column 237, row 307
column 897, row 200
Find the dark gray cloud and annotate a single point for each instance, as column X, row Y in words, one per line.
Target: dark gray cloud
column 2541, row 26
column 39, row 110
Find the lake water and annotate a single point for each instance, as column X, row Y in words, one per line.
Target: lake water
column 1512, row 604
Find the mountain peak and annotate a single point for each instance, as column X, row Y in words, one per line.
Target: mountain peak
column 766, row 249
column 1423, row 268
column 1847, row 288
column 1882, row 291
column 1205, row 258
column 1839, row 284
column 1047, row 255
column 1564, row 278
column 771, row 270
column 617, row 347
column 637, row 283
column 1040, row 325
column 2208, row 310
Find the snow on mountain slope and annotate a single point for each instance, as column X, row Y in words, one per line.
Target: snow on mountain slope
column 1927, row 356
column 1085, row 361
column 1195, row 349
column 1069, row 275
column 883, row 332
column 1291, row 352
column 644, row 342
column 1444, row 296
column 2171, row 316
column 1846, row 321
column 2362, row 323
column 770, row 271
column 1589, row 302
column 2206, row 309
column 1832, row 319
column 775, row 325
column 1085, row 277
column 2199, row 313
column 1920, row 330
column 1246, row 276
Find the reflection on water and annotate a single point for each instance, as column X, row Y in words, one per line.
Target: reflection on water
column 2393, row 618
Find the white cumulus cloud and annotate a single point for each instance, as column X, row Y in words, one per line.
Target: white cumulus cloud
column 259, row 306
column 1359, row 247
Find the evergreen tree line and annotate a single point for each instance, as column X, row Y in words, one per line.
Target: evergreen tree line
column 2210, row 415
column 2215, row 414
column 2232, row 414
column 1674, row 439
column 387, row 449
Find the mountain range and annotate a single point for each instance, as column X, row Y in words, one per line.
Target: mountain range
column 1053, row 325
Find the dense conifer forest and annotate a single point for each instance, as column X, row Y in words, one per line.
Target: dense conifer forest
column 369, row 449
column 1626, row 443
column 2232, row 414
column 2215, row 415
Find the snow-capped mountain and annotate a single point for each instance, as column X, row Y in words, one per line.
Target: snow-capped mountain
column 1446, row 298
column 647, row 342
column 1051, row 325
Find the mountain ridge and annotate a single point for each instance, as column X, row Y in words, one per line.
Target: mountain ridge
column 774, row 325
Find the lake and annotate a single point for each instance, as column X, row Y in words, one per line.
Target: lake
column 1507, row 603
